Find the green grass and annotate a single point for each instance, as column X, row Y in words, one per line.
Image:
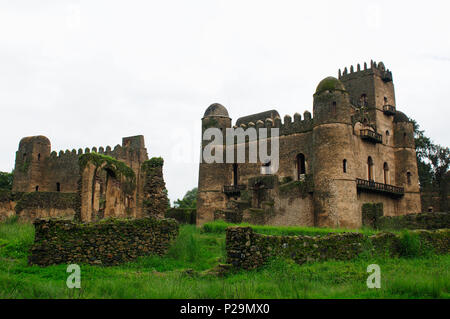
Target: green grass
column 199, row 250
column 220, row 226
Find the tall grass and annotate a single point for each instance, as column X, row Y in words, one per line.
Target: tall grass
column 166, row 277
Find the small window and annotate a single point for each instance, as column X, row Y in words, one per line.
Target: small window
column 24, row 156
column 385, row 100
column 301, row 166
column 333, row 108
column 408, row 178
column 58, row 187
column 387, row 137
column 344, row 166
column 37, row 188
column 370, row 168
column 386, row 173
column 39, row 156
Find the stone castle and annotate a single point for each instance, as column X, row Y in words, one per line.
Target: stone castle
column 86, row 185
column 355, row 149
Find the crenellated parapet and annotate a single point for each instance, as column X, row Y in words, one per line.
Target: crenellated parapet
column 373, row 68
column 286, row 126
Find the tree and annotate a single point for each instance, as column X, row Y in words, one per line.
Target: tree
column 6, row 180
column 433, row 162
column 189, row 200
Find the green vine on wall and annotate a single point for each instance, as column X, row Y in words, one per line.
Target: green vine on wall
column 119, row 168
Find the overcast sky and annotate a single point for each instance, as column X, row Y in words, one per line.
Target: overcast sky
column 87, row 73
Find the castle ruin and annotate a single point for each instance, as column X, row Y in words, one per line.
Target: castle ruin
column 86, row 185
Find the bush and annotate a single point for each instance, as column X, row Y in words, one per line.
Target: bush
column 410, row 245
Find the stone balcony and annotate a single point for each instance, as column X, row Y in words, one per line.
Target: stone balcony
column 371, row 186
column 371, row 136
column 389, row 109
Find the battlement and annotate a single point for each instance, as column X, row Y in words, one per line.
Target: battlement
column 373, row 69
column 288, row 127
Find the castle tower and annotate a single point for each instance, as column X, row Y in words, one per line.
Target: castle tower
column 371, row 88
column 407, row 174
column 335, row 194
column 30, row 166
column 213, row 176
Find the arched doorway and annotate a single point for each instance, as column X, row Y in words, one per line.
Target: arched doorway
column 386, row 173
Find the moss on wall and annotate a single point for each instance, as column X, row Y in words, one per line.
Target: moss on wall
column 298, row 187
column 415, row 221
column 119, row 168
column 371, row 212
column 247, row 249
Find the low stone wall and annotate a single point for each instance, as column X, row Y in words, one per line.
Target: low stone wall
column 36, row 205
column 107, row 242
column 247, row 249
column 414, row 221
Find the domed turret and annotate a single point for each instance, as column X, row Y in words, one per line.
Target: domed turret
column 329, row 84
column 400, row 117
column 216, row 110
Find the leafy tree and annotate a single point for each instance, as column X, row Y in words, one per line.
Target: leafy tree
column 433, row 162
column 189, row 200
column 6, row 180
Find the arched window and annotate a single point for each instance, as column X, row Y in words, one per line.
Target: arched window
column 24, row 156
column 370, row 168
column 385, row 100
column 344, row 166
column 386, row 173
column 235, row 174
column 39, row 156
column 37, row 188
column 408, row 178
column 301, row 165
column 58, row 187
column 387, row 137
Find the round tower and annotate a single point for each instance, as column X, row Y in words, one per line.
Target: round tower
column 213, row 176
column 29, row 171
column 335, row 194
column 406, row 173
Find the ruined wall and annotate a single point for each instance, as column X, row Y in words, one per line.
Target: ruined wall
column 249, row 250
column 109, row 242
column 154, row 197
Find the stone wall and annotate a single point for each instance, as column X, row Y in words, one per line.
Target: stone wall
column 108, row 242
column 247, row 249
column 414, row 221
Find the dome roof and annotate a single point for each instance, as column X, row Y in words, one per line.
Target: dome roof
column 216, row 109
column 400, row 117
column 330, row 84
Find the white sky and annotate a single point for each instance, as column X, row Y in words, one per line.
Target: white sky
column 87, row 73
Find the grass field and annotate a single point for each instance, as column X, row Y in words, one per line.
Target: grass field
column 185, row 272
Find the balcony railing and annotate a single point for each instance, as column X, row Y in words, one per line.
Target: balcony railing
column 372, row 186
column 233, row 190
column 389, row 109
column 371, row 136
